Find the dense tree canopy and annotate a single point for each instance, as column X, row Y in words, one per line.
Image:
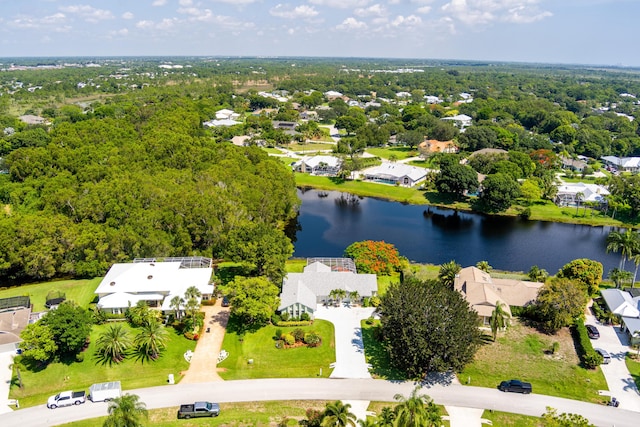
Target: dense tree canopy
column 253, row 300
column 587, row 272
column 428, row 327
column 559, row 302
column 70, row 326
column 374, row 257
column 455, row 178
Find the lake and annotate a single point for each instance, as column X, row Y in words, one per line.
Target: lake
column 328, row 222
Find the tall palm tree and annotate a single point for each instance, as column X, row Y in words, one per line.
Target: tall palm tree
column 448, row 272
column 627, row 243
column 176, row 304
column 126, row 411
column 484, row 266
column 354, row 296
column 152, row 339
column 499, row 319
column 113, row 343
column 337, row 414
column 416, row 410
column 192, row 292
column 367, row 423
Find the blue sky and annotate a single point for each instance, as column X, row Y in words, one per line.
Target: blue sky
column 601, row 32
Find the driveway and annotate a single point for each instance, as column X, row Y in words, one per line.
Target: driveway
column 205, row 358
column 6, row 359
column 619, row 380
column 350, row 361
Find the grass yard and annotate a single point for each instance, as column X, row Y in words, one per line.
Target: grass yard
column 133, row 373
column 260, row 414
column 368, row 189
column 507, row 419
column 80, row 291
column 270, row 362
column 271, row 150
column 303, row 148
column 376, row 355
column 522, row 353
column 286, row 160
column 633, row 364
column 295, row 265
column 399, row 152
column 385, row 281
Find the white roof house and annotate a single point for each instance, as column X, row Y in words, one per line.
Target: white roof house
column 332, row 94
column 302, row 292
column 154, row 282
column 396, row 173
column 226, row 114
column 629, row 164
column 621, row 302
column 318, row 165
column 462, row 121
column 568, row 193
column 221, row 122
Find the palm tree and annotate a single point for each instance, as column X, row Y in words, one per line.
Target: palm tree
column 484, row 266
column 176, row 304
column 354, row 296
column 367, row 423
column 417, row 410
column 448, row 273
column 627, row 243
column 152, row 339
column 619, row 276
column 113, row 343
column 636, row 260
column 499, row 319
column 192, row 292
column 579, row 198
column 338, row 414
column 538, row 274
column 386, row 417
column 126, row 411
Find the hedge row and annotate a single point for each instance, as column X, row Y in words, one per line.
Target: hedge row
column 294, row 323
column 589, row 357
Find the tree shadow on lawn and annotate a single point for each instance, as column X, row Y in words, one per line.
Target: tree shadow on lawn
column 378, row 357
column 238, row 327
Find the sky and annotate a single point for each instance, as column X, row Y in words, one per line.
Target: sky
column 590, row 32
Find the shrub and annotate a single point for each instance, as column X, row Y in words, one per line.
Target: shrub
column 80, row 357
column 190, row 336
column 289, row 339
column 312, row 339
column 305, row 317
column 366, row 302
column 555, row 347
column 375, row 301
column 278, row 334
column 275, row 319
column 211, row 301
column 369, row 321
column 293, row 323
column 298, row 334
column 284, row 316
column 589, row 357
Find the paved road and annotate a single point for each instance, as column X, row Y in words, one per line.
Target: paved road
column 329, row 389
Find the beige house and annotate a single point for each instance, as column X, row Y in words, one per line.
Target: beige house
column 483, row 292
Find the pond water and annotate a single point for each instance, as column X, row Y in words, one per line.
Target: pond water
column 330, row 221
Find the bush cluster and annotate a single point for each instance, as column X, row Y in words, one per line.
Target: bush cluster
column 191, row 336
column 589, row 357
column 211, row 301
column 311, row 339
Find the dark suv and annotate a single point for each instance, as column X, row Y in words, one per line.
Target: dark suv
column 515, row 386
column 592, row 331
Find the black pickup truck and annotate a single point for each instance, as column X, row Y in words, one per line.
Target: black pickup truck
column 199, row 409
column 515, row 386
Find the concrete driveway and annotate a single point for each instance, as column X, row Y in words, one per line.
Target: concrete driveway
column 350, row 360
column 619, row 380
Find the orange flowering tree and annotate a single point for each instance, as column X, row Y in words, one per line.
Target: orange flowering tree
column 375, row 257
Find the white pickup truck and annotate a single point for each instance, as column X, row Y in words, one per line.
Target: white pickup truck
column 66, row 398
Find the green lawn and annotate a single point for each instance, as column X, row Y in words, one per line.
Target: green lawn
column 399, row 152
column 376, row 355
column 272, row 150
column 270, row 362
column 261, row 414
column 295, row 265
column 385, row 281
column 303, row 148
column 633, row 364
column 522, row 352
column 368, row 189
column 39, row 385
column 286, row 160
column 80, row 291
column 507, row 419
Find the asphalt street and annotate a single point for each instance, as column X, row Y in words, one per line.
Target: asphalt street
column 329, row 389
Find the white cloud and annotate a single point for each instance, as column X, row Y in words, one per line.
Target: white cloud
column 341, row 4
column 159, row 3
column 145, row 24
column 88, row 13
column 483, row 12
column 119, row 33
column 298, row 12
column 351, row 24
column 51, row 22
column 236, row 2
column 409, row 21
column 423, row 10
column 127, row 15
column 185, row 2
column 374, row 10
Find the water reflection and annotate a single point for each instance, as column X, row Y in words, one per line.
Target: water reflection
column 327, row 224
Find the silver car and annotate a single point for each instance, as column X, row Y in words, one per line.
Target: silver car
column 605, row 356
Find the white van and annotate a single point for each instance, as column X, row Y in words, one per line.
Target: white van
column 103, row 392
column 605, row 356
